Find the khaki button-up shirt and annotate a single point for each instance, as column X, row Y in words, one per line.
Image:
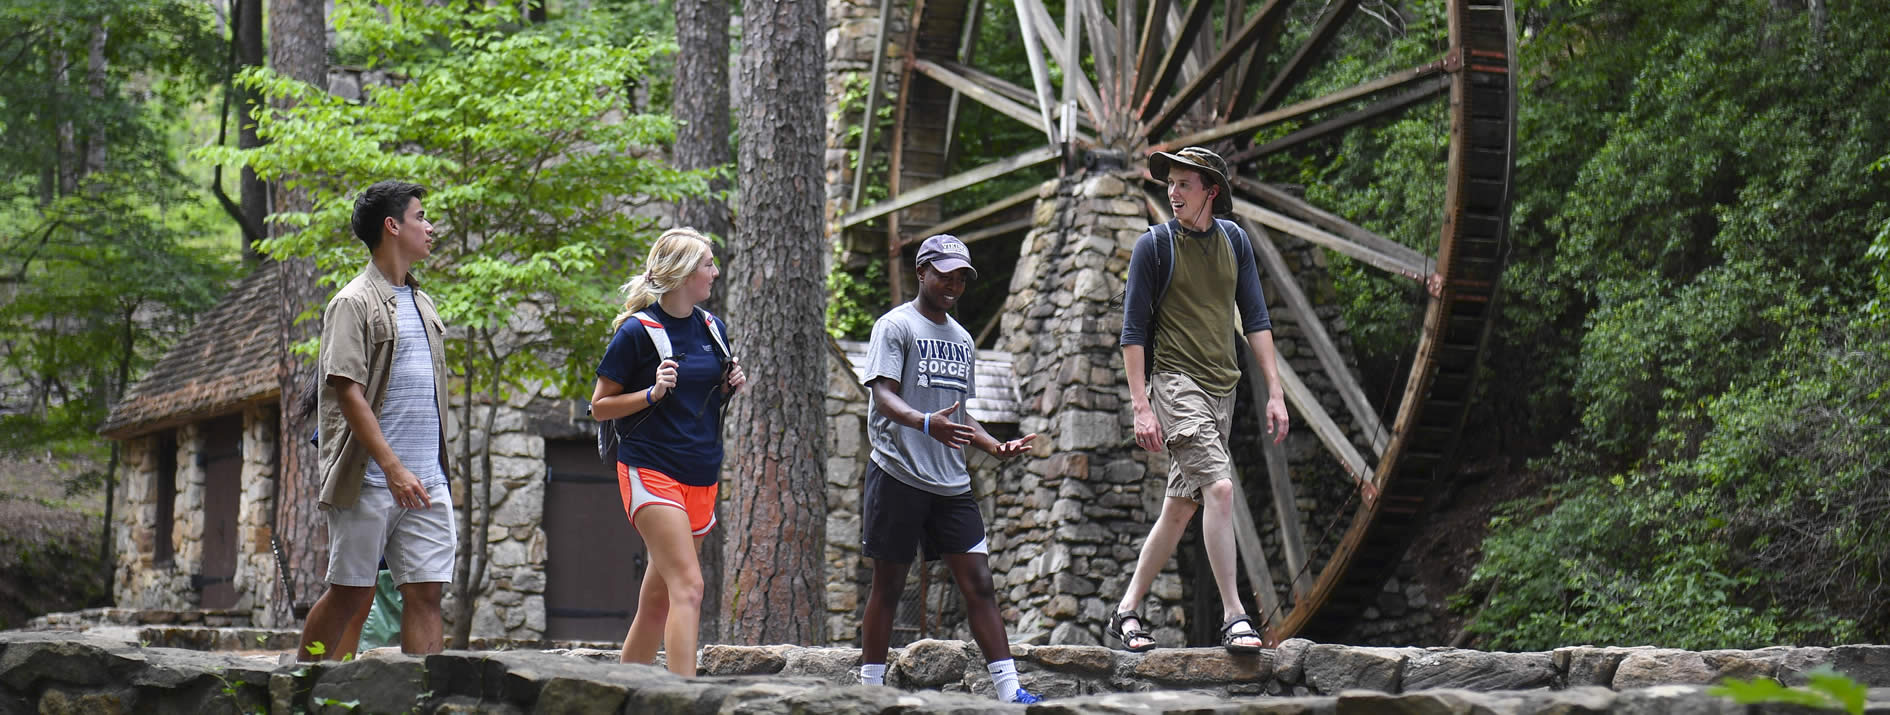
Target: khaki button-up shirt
column 359, row 328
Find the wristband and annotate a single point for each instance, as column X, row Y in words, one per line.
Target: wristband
column 926, row 426
column 649, row 395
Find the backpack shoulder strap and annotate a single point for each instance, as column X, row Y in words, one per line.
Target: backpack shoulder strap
column 1164, row 259
column 715, row 334
column 659, row 335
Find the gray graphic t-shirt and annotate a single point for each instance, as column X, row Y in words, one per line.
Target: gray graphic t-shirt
column 935, row 365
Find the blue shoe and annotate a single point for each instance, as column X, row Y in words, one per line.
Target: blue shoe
column 1025, row 698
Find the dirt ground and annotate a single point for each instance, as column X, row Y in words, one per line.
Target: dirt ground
column 49, row 541
column 1451, row 542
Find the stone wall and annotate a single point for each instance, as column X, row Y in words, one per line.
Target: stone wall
column 141, row 580
column 512, row 602
column 255, row 561
column 68, row 673
column 1072, row 527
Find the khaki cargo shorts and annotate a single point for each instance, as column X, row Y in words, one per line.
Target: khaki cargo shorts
column 1194, row 431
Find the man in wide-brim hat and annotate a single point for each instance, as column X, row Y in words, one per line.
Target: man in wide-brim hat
column 1187, row 277
column 1208, row 164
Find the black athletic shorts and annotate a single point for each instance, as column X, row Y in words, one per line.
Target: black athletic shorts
column 900, row 516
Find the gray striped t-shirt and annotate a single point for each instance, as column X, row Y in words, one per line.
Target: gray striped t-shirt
column 409, row 417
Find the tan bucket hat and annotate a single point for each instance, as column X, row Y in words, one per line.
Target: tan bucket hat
column 1208, row 163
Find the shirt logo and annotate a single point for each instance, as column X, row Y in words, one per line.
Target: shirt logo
column 944, row 365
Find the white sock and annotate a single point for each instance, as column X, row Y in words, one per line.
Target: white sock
column 1004, row 676
column 873, row 674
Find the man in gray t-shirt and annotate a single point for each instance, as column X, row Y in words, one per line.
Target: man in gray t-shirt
column 921, row 368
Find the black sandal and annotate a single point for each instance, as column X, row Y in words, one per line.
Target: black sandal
column 1129, row 636
column 1228, row 636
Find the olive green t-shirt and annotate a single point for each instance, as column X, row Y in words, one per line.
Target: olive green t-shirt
column 1195, row 325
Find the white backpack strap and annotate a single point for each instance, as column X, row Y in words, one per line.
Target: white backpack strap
column 715, row 333
column 659, row 336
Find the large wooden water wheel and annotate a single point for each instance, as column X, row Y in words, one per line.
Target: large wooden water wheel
column 1160, row 76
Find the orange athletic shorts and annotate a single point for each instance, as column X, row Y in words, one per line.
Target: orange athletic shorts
column 650, row 487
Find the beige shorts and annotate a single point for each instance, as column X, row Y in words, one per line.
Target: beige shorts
column 419, row 544
column 1194, row 432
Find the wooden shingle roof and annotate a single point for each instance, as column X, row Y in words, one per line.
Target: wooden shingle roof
column 997, row 398
column 226, row 360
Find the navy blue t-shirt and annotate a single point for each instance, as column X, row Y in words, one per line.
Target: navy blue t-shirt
column 681, row 435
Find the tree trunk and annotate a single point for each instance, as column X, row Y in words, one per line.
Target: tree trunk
column 701, row 106
column 778, row 431
column 95, row 87
column 298, row 31
column 248, row 21
column 702, row 118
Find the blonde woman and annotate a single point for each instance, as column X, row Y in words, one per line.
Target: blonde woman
column 669, row 451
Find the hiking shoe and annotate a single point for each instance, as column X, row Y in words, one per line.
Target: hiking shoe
column 1025, row 698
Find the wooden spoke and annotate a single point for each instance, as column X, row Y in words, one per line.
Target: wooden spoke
column 1179, row 43
column 967, row 46
column 1102, row 41
column 1254, row 557
column 1295, row 69
column 1285, row 498
column 1039, row 72
column 872, row 106
column 1328, row 431
column 1021, row 224
column 1147, row 52
column 978, row 93
column 967, row 219
column 991, row 82
column 1312, row 233
column 1350, row 392
column 1300, row 209
column 1424, row 90
column 1392, row 81
column 1185, row 99
column 1072, row 68
column 949, row 184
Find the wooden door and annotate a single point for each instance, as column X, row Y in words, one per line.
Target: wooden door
column 594, row 563
column 222, row 460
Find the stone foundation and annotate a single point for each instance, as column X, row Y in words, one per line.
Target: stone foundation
column 65, row 672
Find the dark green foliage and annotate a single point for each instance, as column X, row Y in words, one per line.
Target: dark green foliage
column 106, row 249
column 1694, row 198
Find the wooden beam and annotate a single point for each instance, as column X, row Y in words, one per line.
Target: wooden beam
column 870, row 118
column 963, row 85
column 1102, row 41
column 949, row 184
column 1295, row 69
column 1010, row 91
column 1185, row 99
column 967, row 219
column 1312, row 233
column 991, row 82
column 1424, row 90
column 1072, row 68
column 1039, row 72
column 1178, row 45
column 1298, row 208
column 1285, row 501
column 1314, row 330
column 998, row 230
column 1147, row 59
column 1254, row 557
column 1359, row 472
column 1208, row 136
column 967, row 43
